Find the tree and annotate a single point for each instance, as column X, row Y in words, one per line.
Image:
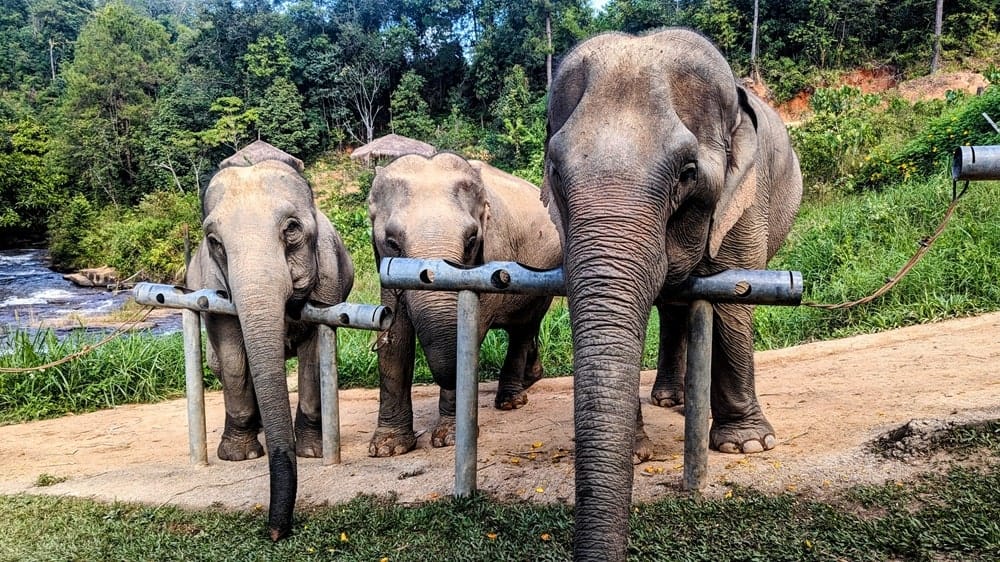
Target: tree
column 30, row 186
column 364, row 83
column 938, row 18
column 282, row 121
column 235, row 124
column 121, row 60
column 410, row 113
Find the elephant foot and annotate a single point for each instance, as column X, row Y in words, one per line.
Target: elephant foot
column 510, row 398
column 240, row 448
column 308, row 438
column 444, row 434
column 389, row 442
column 666, row 398
column 743, row 436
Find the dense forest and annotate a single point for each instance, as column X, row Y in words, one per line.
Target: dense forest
column 128, row 105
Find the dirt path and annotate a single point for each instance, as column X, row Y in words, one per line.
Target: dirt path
column 826, row 401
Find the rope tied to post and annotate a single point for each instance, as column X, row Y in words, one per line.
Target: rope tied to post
column 924, row 246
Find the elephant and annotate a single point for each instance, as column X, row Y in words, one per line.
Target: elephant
column 659, row 166
column 268, row 248
column 467, row 212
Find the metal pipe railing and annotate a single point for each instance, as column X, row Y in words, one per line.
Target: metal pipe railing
column 750, row 286
column 976, row 163
column 343, row 315
column 733, row 286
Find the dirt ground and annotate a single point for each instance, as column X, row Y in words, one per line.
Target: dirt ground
column 826, row 400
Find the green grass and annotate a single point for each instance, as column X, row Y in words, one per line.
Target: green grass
column 847, row 248
column 951, row 515
column 134, row 368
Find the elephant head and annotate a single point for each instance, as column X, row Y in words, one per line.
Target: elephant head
column 431, row 208
column 268, row 247
column 658, row 165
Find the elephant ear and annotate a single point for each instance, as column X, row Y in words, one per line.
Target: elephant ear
column 739, row 189
column 335, row 270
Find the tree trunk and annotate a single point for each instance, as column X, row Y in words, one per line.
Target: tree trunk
column 938, row 19
column 754, row 73
column 52, row 58
column 548, row 54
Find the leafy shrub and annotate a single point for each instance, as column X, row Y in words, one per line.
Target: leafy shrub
column 147, row 240
column 961, row 123
column 68, row 229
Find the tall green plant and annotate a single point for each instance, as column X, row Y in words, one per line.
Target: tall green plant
column 120, row 62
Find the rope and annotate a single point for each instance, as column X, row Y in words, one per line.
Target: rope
column 925, row 245
column 121, row 330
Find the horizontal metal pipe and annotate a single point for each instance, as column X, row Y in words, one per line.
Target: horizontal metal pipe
column 976, row 163
column 342, row 315
column 750, row 286
column 491, row 277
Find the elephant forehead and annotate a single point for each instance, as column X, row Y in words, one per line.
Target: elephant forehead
column 422, row 187
column 259, row 183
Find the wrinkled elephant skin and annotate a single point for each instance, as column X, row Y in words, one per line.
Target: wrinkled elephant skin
column 271, row 251
column 659, row 166
column 467, row 212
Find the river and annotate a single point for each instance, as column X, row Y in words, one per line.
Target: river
column 31, row 293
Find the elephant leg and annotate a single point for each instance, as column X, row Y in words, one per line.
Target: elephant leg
column 668, row 389
column 738, row 423
column 394, row 434
column 444, row 433
column 227, row 359
column 521, row 369
column 308, row 422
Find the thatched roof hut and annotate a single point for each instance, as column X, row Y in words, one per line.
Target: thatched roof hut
column 391, row 146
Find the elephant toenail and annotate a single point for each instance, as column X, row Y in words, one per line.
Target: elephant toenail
column 752, row 446
column 770, row 441
column 729, row 448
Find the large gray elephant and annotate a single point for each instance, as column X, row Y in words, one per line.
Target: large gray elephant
column 659, row 166
column 271, row 251
column 467, row 212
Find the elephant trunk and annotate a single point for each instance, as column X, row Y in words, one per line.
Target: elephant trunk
column 260, row 304
column 434, row 315
column 610, row 293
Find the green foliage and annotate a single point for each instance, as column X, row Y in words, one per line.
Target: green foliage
column 133, row 368
column 120, row 61
column 848, row 247
column 68, row 228
column 410, row 113
column 841, row 124
column 147, row 240
column 30, row 183
column 234, row 125
column 282, row 121
column 520, row 142
column 931, row 149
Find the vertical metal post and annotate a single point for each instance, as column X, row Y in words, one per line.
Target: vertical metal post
column 467, row 393
column 195, row 387
column 329, row 394
column 697, row 395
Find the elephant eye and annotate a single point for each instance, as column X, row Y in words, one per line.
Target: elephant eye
column 215, row 249
column 393, row 245
column 293, row 232
column 470, row 243
column 689, row 172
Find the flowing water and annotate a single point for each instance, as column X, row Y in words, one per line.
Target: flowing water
column 30, row 292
